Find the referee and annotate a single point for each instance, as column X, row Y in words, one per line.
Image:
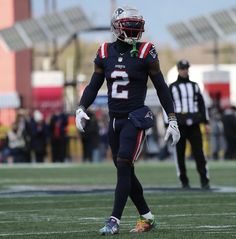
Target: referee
column 190, row 112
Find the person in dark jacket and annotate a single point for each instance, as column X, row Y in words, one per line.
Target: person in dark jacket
column 229, row 123
column 39, row 136
column 190, row 111
column 90, row 138
column 58, row 124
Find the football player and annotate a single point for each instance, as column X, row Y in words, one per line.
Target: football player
column 126, row 65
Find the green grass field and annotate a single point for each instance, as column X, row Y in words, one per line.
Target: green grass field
column 30, row 207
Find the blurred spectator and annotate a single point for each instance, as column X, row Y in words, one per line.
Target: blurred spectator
column 72, row 139
column 103, row 135
column 229, row 122
column 217, row 134
column 16, row 143
column 23, row 121
column 90, row 139
column 4, row 151
column 38, row 136
column 151, row 148
column 164, row 152
column 58, row 124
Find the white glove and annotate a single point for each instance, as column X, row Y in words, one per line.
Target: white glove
column 80, row 115
column 173, row 131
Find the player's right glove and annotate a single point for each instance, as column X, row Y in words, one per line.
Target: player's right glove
column 80, row 116
column 173, row 131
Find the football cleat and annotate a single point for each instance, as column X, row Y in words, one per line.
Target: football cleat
column 185, row 186
column 144, row 225
column 111, row 227
column 205, row 186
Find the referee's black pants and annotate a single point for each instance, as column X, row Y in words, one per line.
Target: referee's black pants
column 193, row 135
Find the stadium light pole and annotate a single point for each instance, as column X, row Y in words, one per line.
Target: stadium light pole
column 54, row 40
column 209, row 28
column 113, row 7
column 69, row 22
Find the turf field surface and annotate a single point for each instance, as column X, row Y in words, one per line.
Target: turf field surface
column 27, row 212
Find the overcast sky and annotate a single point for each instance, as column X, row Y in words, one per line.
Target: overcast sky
column 157, row 14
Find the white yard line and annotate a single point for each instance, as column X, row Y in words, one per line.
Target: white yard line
column 130, row 221
column 181, row 227
column 41, row 233
column 102, row 208
column 198, row 215
column 87, row 220
column 216, row 226
column 61, row 190
column 105, row 207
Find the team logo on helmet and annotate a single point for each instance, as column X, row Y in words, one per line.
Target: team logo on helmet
column 119, row 11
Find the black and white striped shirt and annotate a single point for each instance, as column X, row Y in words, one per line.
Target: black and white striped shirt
column 188, row 100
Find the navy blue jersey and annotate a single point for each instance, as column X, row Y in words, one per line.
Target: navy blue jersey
column 126, row 76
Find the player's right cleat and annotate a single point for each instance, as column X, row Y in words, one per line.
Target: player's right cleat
column 144, row 225
column 111, row 227
column 185, row 186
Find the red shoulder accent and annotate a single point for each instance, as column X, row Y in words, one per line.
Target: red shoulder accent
column 144, row 49
column 148, row 49
column 99, row 52
column 103, row 53
column 105, row 50
column 141, row 48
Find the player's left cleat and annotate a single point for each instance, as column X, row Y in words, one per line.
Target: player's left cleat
column 144, row 225
column 205, row 186
column 111, row 227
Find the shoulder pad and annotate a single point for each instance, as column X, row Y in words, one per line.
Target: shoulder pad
column 144, row 49
column 102, row 51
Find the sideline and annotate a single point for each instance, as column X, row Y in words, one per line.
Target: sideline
column 21, row 190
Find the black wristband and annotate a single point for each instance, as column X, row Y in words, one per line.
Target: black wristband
column 81, row 107
column 172, row 117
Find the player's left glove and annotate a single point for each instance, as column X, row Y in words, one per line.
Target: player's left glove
column 80, row 116
column 173, row 131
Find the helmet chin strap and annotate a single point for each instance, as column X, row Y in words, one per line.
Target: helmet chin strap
column 134, row 51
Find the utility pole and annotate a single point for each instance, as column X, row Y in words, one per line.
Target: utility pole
column 54, row 41
column 112, row 9
column 46, row 10
column 113, row 6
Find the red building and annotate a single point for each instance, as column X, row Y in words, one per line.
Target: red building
column 15, row 67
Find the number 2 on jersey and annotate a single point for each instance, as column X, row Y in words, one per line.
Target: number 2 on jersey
column 125, row 81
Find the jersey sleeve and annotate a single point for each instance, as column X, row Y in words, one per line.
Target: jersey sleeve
column 102, row 53
column 152, row 55
column 98, row 59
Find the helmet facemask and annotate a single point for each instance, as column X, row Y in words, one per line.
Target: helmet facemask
column 127, row 24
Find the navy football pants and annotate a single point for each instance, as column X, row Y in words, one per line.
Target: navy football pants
column 125, row 141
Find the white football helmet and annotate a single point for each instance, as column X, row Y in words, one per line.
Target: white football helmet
column 127, row 24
